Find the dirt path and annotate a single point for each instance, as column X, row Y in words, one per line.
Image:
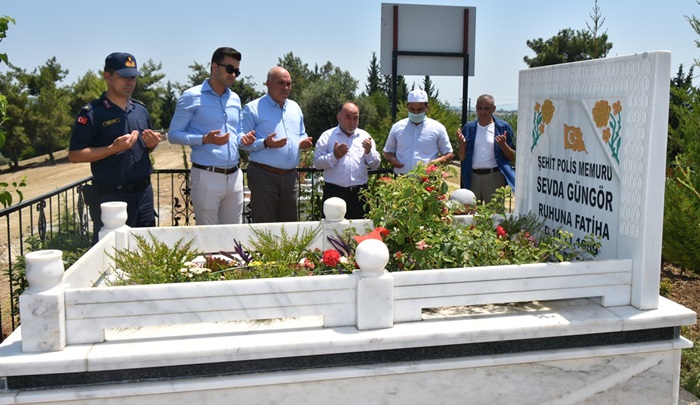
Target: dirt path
column 44, row 176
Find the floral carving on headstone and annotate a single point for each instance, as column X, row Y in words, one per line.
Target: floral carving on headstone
column 541, row 118
column 609, row 119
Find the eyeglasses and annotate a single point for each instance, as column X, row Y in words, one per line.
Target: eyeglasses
column 230, row 69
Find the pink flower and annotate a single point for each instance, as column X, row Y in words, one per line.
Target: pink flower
column 421, row 245
column 331, row 257
column 309, row 264
column 431, row 169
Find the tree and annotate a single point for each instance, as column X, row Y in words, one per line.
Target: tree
column 150, row 92
column 567, row 46
column 47, row 75
column 245, row 90
column 680, row 105
column 17, row 141
column 401, row 88
column 87, row 88
column 430, row 89
column 682, row 197
column 598, row 21
column 571, row 46
column 200, row 73
column 321, row 98
column 374, row 77
column 301, row 75
column 49, row 108
column 169, row 104
column 4, row 25
column 375, row 114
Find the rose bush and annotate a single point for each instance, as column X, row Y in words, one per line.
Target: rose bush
column 423, row 233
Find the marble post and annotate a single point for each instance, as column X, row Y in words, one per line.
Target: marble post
column 42, row 305
column 375, row 286
column 114, row 216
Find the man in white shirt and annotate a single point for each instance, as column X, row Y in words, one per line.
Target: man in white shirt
column 345, row 153
column 417, row 139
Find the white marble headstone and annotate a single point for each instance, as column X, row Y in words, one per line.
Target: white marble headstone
column 591, row 154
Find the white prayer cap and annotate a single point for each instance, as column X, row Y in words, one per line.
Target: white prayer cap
column 417, row 96
column 463, row 196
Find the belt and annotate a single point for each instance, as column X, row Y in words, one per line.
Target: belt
column 215, row 169
column 273, row 169
column 124, row 187
column 485, row 171
column 350, row 188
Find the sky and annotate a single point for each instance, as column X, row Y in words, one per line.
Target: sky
column 81, row 33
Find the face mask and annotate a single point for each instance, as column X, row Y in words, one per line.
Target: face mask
column 416, row 118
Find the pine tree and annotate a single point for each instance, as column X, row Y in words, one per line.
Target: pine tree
column 374, row 77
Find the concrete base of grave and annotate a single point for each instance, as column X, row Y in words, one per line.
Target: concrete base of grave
column 552, row 352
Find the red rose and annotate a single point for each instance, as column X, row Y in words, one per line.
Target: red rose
column 429, row 189
column 501, row 232
column 331, row 257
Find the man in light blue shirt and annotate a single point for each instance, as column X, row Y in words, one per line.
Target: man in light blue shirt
column 278, row 125
column 207, row 118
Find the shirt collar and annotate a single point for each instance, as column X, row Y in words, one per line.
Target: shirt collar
column 206, row 88
column 108, row 105
column 341, row 132
column 273, row 102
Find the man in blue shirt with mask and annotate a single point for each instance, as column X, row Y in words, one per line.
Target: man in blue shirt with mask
column 207, row 118
column 417, row 139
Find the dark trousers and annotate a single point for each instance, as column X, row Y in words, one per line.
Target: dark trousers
column 273, row 196
column 351, row 195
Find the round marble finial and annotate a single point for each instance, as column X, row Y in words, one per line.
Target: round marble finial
column 372, row 256
column 114, row 214
column 334, row 209
column 44, row 269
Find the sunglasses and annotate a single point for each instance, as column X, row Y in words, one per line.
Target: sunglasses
column 230, row 69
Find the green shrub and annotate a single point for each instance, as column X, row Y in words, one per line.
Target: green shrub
column 681, row 240
column 155, row 262
column 690, row 365
column 423, row 235
column 665, row 287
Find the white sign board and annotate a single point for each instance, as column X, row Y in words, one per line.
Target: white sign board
column 421, row 28
column 591, row 155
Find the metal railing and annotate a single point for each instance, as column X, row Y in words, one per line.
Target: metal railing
column 63, row 212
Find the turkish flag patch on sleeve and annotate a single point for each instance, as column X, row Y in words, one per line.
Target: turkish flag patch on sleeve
column 82, row 120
